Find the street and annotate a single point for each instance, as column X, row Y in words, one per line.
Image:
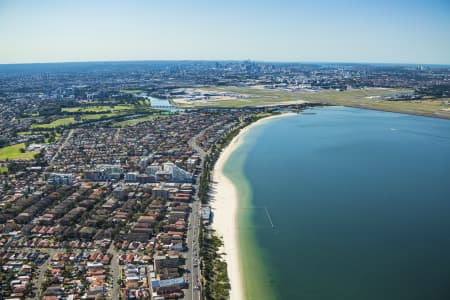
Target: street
column 192, row 254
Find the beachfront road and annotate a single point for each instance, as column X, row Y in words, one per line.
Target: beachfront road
column 192, row 256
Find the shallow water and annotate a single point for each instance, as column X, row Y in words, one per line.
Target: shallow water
column 359, row 201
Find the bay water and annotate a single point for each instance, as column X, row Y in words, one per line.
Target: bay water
column 344, row 203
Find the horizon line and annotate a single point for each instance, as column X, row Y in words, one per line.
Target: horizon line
column 226, row 60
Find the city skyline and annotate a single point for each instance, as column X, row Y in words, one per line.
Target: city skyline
column 402, row 32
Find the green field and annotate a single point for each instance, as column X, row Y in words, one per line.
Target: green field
column 71, row 120
column 57, row 137
column 46, row 140
column 90, row 117
column 56, row 123
column 13, row 153
column 123, row 107
column 21, row 133
column 24, row 133
column 257, row 96
column 145, row 102
column 360, row 98
column 133, row 122
column 3, row 169
column 98, row 109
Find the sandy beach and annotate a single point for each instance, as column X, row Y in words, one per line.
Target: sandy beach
column 225, row 205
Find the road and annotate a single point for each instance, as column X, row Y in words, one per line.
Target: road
column 115, row 289
column 69, row 135
column 39, row 279
column 193, row 144
column 192, row 254
column 192, row 260
column 117, row 134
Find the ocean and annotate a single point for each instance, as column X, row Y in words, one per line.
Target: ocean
column 344, row 203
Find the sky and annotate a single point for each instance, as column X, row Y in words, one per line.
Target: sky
column 381, row 31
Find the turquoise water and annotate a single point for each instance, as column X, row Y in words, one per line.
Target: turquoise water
column 359, row 200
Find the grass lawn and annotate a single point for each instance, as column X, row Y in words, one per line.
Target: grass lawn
column 57, row 137
column 56, row 123
column 133, row 122
column 21, row 133
column 71, row 120
column 13, row 153
column 123, row 107
column 256, row 96
column 3, row 169
column 98, row 109
column 102, row 108
column 89, row 117
column 360, row 98
column 145, row 102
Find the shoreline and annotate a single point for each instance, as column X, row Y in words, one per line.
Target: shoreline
column 225, row 205
column 433, row 115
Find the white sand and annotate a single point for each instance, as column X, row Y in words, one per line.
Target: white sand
column 225, row 205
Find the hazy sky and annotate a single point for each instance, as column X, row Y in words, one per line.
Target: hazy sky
column 403, row 31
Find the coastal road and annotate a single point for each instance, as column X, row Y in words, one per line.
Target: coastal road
column 193, row 144
column 192, row 255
